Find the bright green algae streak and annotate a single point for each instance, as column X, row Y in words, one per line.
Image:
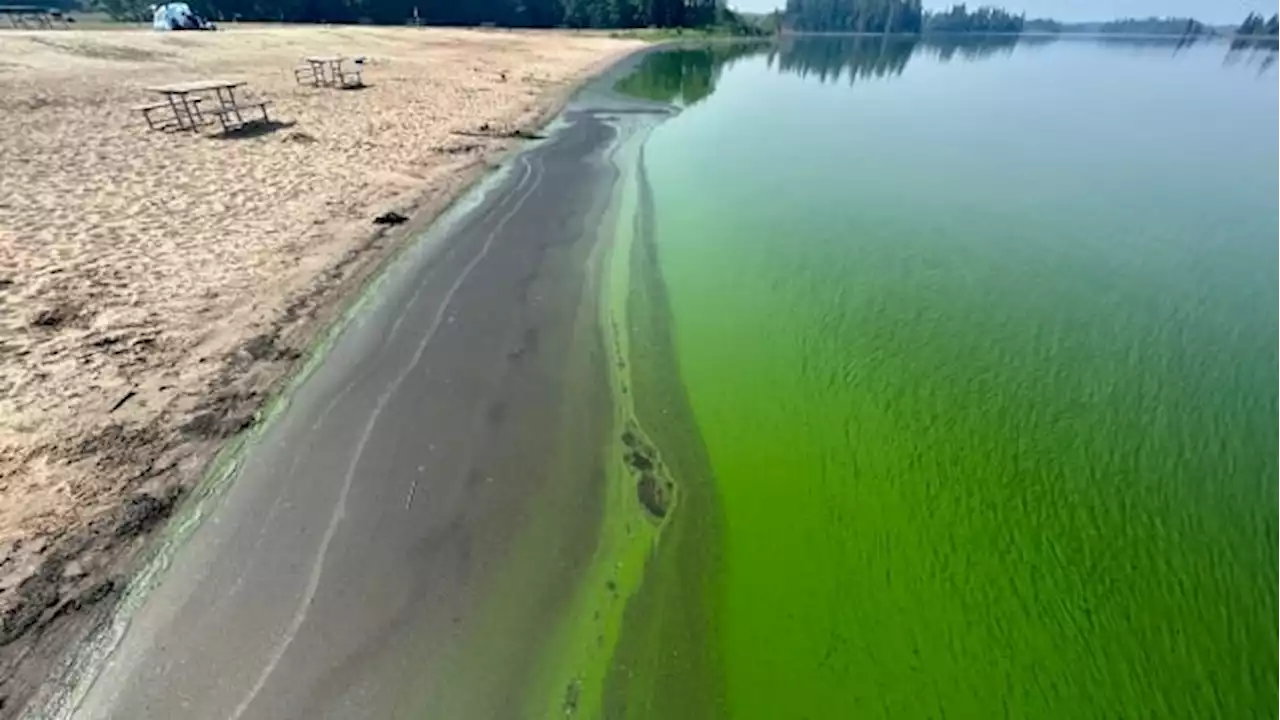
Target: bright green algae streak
column 982, row 350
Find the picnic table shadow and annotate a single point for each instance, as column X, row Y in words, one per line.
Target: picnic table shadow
column 317, row 89
column 255, row 128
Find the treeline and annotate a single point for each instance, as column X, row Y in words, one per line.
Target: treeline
column 986, row 19
column 1255, row 26
column 859, row 16
column 627, row 13
column 1179, row 26
column 507, row 13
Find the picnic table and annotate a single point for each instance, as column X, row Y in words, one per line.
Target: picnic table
column 185, row 99
column 42, row 17
column 327, row 70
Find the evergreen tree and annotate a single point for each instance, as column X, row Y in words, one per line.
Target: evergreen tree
column 985, row 19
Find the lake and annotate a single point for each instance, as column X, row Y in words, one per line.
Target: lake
column 957, row 359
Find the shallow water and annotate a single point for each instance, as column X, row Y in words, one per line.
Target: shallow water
column 978, row 342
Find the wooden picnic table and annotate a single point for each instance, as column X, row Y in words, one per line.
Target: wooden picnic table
column 187, row 113
column 327, row 70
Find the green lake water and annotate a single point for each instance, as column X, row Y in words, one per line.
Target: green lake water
column 977, row 343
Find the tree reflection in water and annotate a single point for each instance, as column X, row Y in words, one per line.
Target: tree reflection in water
column 685, row 76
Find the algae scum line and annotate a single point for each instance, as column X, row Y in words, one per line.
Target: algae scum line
column 752, row 390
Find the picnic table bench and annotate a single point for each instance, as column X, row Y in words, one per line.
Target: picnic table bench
column 147, row 108
column 186, row 106
column 328, row 71
column 230, row 117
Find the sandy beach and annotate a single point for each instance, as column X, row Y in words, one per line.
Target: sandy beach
column 156, row 286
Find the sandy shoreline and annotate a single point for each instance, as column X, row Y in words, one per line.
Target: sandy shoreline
column 156, row 287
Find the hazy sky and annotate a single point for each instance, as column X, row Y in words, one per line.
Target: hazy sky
column 1210, row 11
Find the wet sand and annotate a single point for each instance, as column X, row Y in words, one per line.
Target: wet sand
column 158, row 287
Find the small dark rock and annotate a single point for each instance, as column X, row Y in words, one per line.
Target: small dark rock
column 390, row 218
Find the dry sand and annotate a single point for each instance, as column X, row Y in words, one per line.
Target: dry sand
column 155, row 286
